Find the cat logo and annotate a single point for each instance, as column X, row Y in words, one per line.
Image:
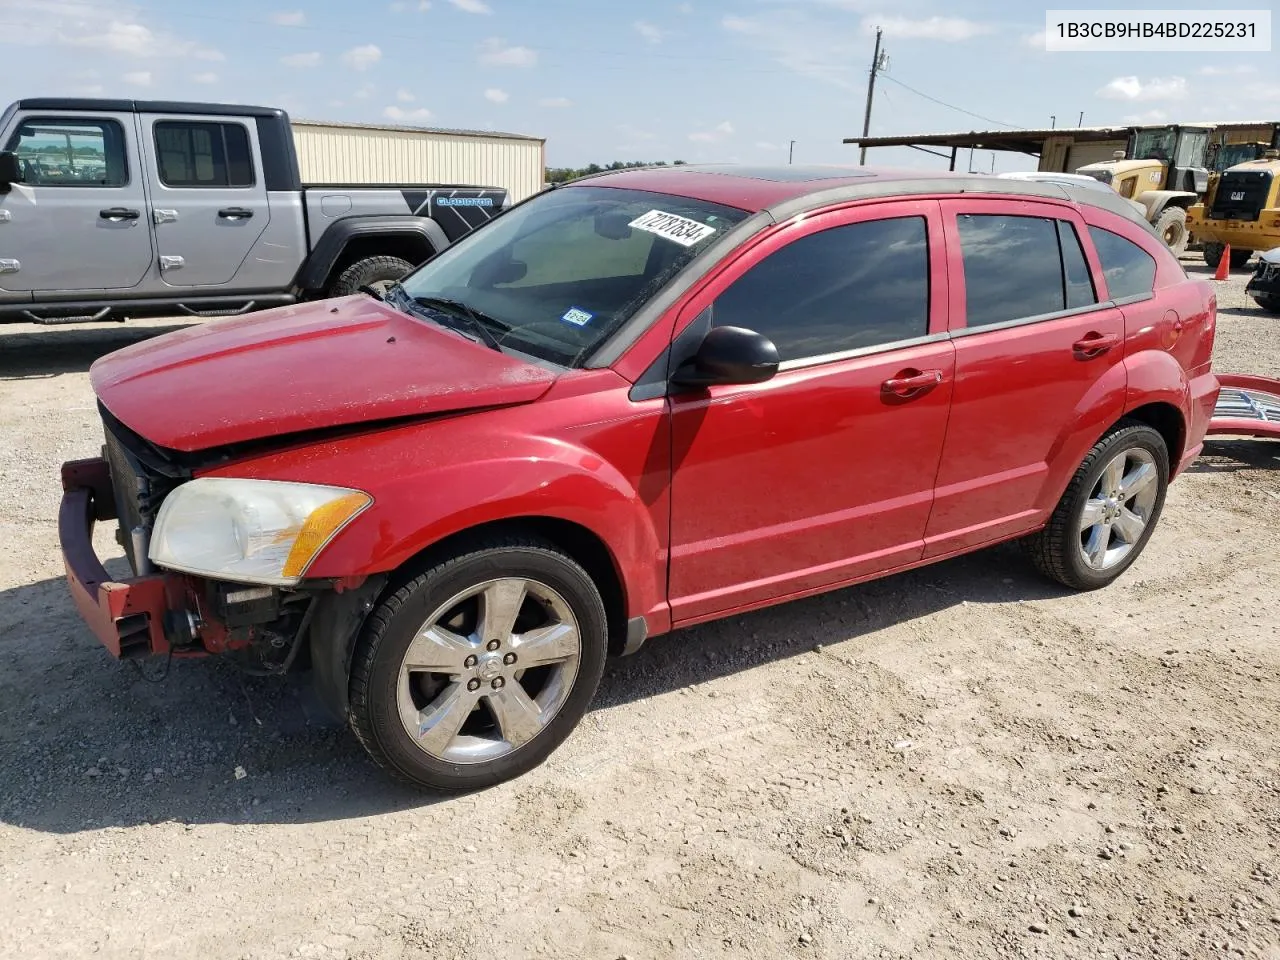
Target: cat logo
column 1237, row 195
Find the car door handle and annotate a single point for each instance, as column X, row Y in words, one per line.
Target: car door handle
column 908, row 383
column 1095, row 345
column 118, row 214
column 235, row 213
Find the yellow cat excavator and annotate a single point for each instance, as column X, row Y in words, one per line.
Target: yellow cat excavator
column 1244, row 210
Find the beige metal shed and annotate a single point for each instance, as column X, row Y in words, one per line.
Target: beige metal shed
column 331, row 152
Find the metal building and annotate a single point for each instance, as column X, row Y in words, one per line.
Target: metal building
column 1061, row 149
column 367, row 153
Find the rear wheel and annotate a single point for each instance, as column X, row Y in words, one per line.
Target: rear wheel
column 376, row 272
column 1108, row 512
column 1239, row 258
column 479, row 667
column 1212, row 253
column 1172, row 226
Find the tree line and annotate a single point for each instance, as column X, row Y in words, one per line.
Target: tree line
column 565, row 174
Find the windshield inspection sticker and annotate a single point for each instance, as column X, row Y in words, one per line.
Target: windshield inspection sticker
column 680, row 230
column 577, row 316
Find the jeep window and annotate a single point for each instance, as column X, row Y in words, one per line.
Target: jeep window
column 554, row 277
column 56, row 152
column 1130, row 270
column 1014, row 268
column 203, row 154
column 859, row 285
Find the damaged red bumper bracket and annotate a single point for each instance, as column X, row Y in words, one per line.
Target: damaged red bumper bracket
column 1247, row 406
column 127, row 616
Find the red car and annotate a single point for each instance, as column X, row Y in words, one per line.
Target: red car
column 631, row 404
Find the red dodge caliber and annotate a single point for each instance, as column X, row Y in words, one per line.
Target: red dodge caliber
column 638, row 402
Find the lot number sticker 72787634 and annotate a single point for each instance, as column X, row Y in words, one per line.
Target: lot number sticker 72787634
column 678, row 229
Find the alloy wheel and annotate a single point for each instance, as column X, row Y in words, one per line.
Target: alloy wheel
column 1119, row 508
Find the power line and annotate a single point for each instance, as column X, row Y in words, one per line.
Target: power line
column 943, row 103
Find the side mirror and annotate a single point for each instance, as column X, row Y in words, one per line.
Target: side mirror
column 729, row 355
column 10, row 169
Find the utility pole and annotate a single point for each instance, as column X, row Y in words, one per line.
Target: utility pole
column 1080, row 122
column 1053, row 121
column 791, row 152
column 877, row 64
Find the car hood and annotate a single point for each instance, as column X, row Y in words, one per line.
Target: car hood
column 305, row 367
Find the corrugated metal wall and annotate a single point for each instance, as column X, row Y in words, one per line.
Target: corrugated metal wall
column 333, row 154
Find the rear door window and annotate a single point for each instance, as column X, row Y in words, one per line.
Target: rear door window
column 1129, row 270
column 199, row 154
column 1019, row 267
column 850, row 287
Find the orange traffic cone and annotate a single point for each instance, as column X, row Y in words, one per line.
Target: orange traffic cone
column 1224, row 265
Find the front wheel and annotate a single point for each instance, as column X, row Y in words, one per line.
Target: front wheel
column 1108, row 512
column 1239, row 258
column 1212, row 253
column 1172, row 226
column 475, row 670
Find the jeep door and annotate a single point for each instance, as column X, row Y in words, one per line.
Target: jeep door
column 1038, row 367
column 209, row 200
column 77, row 223
column 825, row 473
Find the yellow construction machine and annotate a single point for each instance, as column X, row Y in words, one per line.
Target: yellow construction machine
column 1244, row 210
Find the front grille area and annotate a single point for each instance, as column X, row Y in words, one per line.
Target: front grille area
column 1242, row 195
column 140, row 477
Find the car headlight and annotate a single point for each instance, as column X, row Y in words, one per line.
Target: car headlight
column 254, row 531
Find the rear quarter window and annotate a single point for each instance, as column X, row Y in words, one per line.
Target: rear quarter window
column 1129, row 270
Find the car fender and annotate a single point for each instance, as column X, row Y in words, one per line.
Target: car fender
column 435, row 480
column 314, row 273
column 1156, row 377
column 1097, row 410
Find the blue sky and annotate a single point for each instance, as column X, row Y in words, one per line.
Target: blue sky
column 704, row 80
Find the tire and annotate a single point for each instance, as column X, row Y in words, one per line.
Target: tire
column 486, row 732
column 1172, row 226
column 1212, row 253
column 1059, row 550
column 1239, row 258
column 1269, row 304
column 371, row 271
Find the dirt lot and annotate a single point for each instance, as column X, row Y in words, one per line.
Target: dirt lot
column 961, row 762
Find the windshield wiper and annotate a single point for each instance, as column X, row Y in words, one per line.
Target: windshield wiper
column 399, row 296
column 475, row 321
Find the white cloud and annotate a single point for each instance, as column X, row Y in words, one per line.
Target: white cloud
column 301, row 60
column 424, row 5
column 647, row 30
column 818, row 47
column 362, row 57
column 1261, row 93
column 404, row 96
column 207, row 77
column 494, row 95
column 685, row 8
column 1157, row 88
column 1238, row 70
column 471, row 6
column 720, row 131
column 494, row 52
column 400, row 114
column 554, row 102
column 105, row 28
column 400, row 6
column 139, row 78
column 1037, row 40
column 288, row 18
column 947, row 29
column 89, row 90
column 635, row 133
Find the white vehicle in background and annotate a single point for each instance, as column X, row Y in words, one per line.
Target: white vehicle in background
column 1067, row 179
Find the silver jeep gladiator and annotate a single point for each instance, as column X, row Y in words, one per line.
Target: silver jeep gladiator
column 120, row 208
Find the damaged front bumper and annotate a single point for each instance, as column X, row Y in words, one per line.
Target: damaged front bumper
column 132, row 617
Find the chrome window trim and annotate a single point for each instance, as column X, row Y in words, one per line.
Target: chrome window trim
column 803, row 362
column 1038, row 318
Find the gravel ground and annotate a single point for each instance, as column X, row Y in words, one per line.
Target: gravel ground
column 959, row 762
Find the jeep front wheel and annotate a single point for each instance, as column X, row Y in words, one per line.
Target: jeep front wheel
column 377, row 273
column 475, row 670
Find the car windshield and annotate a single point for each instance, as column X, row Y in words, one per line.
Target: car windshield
column 1154, row 145
column 555, row 277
